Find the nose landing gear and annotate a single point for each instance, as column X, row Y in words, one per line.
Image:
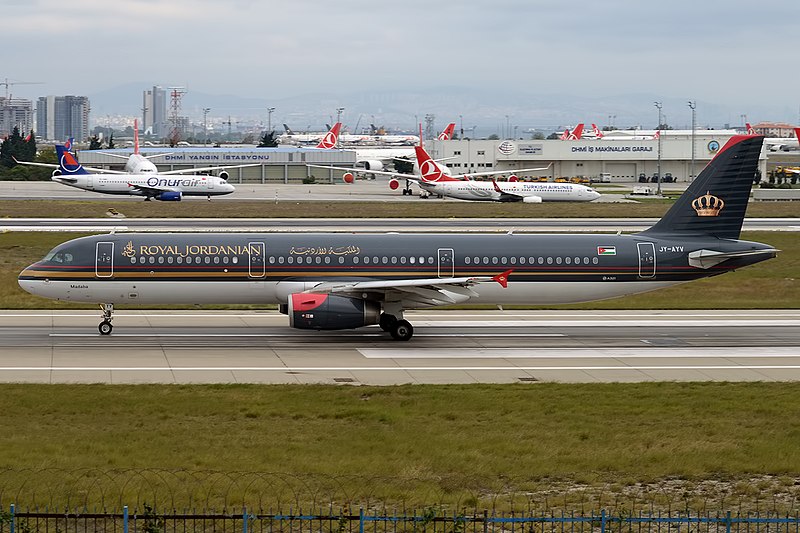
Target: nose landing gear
column 105, row 326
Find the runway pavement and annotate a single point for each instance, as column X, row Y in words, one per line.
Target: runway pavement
column 448, row 347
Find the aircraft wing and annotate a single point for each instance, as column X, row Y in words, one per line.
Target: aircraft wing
column 431, row 291
column 152, row 191
column 362, row 171
column 52, row 165
column 203, row 169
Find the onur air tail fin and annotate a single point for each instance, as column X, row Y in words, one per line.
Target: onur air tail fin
column 447, row 133
column 135, row 136
column 69, row 144
column 67, row 162
column 329, row 140
column 715, row 203
column 597, row 133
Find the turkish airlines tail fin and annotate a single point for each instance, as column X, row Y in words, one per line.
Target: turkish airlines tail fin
column 715, row 203
column 750, row 130
column 565, row 135
column 657, row 134
column 428, row 168
column 797, row 133
column 329, row 141
column 447, row 133
column 577, row 133
column 597, row 133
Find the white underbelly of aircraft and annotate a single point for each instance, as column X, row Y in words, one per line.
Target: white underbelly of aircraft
column 268, row 292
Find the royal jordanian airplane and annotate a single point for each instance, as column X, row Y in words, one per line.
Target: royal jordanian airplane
column 329, row 281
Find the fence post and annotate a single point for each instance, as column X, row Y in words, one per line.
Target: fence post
column 602, row 521
column 727, row 523
column 485, row 521
column 244, row 519
column 360, row 520
column 13, row 519
column 125, row 519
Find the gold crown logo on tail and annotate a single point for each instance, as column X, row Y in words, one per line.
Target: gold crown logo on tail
column 708, row 205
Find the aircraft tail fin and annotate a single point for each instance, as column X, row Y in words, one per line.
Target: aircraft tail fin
column 68, row 145
column 67, row 162
column 750, row 130
column 329, row 141
column 287, row 129
column 657, row 134
column 715, row 203
column 565, row 135
column 135, row 136
column 428, row 168
column 447, row 133
column 797, row 133
column 598, row 134
column 577, row 133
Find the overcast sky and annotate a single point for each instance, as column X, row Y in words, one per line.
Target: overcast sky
column 733, row 52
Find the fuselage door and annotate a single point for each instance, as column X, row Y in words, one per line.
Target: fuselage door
column 256, row 259
column 210, row 183
column 446, row 263
column 647, row 259
column 104, row 260
column 89, row 183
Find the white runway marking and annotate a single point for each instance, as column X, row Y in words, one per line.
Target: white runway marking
column 700, row 352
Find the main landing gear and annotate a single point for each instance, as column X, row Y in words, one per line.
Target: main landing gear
column 105, row 326
column 407, row 191
column 400, row 330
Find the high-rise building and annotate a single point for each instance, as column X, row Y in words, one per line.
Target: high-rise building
column 154, row 111
column 15, row 112
column 61, row 117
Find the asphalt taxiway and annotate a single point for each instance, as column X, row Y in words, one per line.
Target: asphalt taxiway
column 448, row 347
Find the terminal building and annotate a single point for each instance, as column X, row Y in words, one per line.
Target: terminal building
column 271, row 165
column 625, row 160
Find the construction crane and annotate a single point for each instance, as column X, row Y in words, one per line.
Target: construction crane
column 8, row 84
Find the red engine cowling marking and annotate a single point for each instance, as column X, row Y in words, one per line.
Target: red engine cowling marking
column 513, row 177
column 394, row 184
column 348, row 177
column 307, row 302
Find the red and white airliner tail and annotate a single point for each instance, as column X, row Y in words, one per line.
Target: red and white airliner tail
column 429, row 169
column 797, row 133
column 329, row 140
column 597, row 133
column 574, row 135
column 657, row 134
column 447, row 134
column 751, row 131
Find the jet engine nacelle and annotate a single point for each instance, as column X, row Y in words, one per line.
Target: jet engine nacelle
column 169, row 196
column 348, row 177
column 394, row 184
column 329, row 311
column 56, row 172
column 373, row 165
column 513, row 178
column 223, row 175
column 532, row 200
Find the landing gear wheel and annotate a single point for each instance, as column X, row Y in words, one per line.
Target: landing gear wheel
column 105, row 327
column 402, row 330
column 386, row 321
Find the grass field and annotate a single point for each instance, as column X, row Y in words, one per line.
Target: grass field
column 413, row 209
column 474, row 446
column 771, row 284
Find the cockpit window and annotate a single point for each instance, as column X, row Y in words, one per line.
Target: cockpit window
column 62, row 257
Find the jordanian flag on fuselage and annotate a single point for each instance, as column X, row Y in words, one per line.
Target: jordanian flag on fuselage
column 606, row 250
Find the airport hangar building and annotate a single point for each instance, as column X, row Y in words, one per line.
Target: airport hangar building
column 624, row 159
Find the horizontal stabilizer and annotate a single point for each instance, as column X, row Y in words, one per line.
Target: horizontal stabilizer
column 709, row 258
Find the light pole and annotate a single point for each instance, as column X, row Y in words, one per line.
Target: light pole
column 205, row 128
column 515, row 131
column 338, row 120
column 270, row 110
column 508, row 128
column 658, row 168
column 693, row 107
column 461, row 123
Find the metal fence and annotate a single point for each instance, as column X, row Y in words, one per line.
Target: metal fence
column 430, row 520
